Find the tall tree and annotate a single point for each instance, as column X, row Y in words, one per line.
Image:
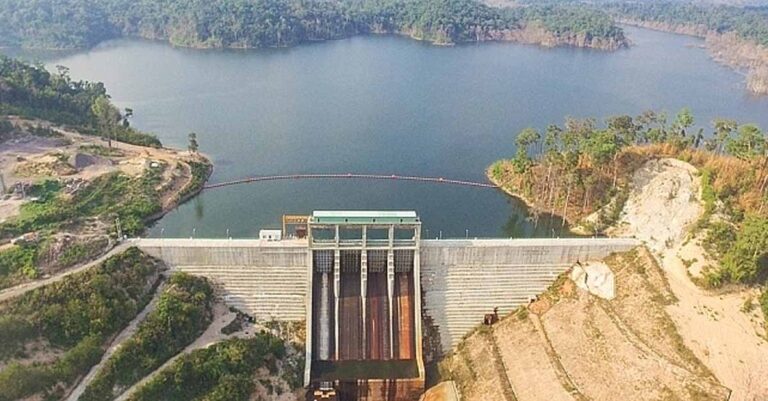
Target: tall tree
column 107, row 117
column 724, row 128
column 525, row 140
column 127, row 116
column 748, row 144
column 193, row 144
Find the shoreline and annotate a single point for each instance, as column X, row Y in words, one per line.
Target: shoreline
column 530, row 205
column 723, row 49
column 183, row 199
column 524, row 36
column 169, row 200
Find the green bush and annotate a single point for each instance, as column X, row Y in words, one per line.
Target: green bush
column 200, row 172
column 19, row 381
column 76, row 314
column 17, row 260
column 99, row 150
column 80, row 252
column 15, row 331
column 223, row 371
column 720, row 238
column 182, row 314
column 747, row 260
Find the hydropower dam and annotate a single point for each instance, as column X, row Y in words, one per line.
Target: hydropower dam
column 373, row 294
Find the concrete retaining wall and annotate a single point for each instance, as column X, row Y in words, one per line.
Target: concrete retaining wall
column 465, row 279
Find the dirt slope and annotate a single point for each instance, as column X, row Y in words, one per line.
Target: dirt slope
column 574, row 346
column 665, row 202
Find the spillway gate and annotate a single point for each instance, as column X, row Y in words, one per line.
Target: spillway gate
column 364, row 312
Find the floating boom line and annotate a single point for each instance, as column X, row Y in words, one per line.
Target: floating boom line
column 391, row 177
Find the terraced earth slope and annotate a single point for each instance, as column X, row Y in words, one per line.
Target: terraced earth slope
column 570, row 345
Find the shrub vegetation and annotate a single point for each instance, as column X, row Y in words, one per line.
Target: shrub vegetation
column 109, row 196
column 75, row 316
column 182, row 314
column 224, row 371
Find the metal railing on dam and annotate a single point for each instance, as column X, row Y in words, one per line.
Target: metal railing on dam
column 461, row 279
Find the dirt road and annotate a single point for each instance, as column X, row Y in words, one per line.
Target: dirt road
column 20, row 289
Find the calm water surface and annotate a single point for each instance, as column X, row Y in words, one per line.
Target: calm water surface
column 388, row 105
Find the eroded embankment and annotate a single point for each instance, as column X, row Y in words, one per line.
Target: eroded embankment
column 571, row 345
column 664, row 205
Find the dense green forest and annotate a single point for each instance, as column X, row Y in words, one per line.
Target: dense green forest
column 278, row 23
column 31, row 91
column 223, row 371
column 748, row 22
column 182, row 314
column 75, row 316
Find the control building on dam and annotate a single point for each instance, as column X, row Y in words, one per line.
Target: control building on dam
column 369, row 289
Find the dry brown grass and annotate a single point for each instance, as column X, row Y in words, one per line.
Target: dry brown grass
column 545, row 186
column 745, row 181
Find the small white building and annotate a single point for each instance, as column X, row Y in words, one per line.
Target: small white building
column 270, row 235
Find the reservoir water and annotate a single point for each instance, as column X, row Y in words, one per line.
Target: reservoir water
column 388, row 105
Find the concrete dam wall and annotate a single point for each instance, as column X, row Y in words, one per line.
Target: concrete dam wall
column 461, row 279
column 465, row 279
column 267, row 280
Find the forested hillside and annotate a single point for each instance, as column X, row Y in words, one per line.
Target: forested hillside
column 223, row 371
column 280, row 23
column 585, row 171
column 183, row 311
column 748, row 22
column 736, row 36
column 31, row 91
